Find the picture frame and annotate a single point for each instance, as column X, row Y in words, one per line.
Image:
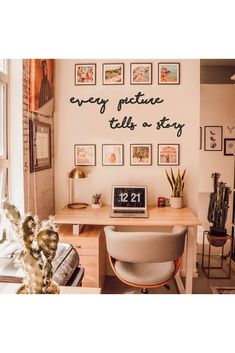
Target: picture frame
column 213, row 137
column 39, row 145
column 141, row 154
column 229, row 146
column 84, row 155
column 168, row 154
column 168, row 73
column 141, row 73
column 200, row 136
column 85, row 74
column 112, row 154
column 113, row 73
column 41, row 86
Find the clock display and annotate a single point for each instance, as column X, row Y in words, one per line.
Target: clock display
column 129, row 197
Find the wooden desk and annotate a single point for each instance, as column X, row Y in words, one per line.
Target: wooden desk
column 11, row 288
column 165, row 216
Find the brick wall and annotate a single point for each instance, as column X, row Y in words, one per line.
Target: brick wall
column 38, row 186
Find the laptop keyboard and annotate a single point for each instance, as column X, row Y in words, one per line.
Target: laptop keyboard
column 129, row 211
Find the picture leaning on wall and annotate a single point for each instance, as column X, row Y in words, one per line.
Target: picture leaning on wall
column 84, row 155
column 112, row 154
column 229, row 147
column 41, row 86
column 168, row 154
column 213, row 136
column 140, row 154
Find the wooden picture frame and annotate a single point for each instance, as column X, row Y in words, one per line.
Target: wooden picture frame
column 39, row 145
column 113, row 73
column 85, row 74
column 200, row 136
column 141, row 73
column 112, row 154
column 140, row 154
column 84, row 155
column 168, row 154
column 229, row 146
column 213, row 138
column 41, row 86
column 168, row 73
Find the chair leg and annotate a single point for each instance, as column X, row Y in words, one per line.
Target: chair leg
column 167, row 286
column 144, row 291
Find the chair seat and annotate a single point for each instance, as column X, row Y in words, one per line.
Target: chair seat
column 145, row 273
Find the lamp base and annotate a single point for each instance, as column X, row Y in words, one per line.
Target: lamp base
column 77, row 205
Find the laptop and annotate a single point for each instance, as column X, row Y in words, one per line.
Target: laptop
column 129, row 201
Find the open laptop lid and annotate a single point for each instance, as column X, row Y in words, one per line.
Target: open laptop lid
column 132, row 197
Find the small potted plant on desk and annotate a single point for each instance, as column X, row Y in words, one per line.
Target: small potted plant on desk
column 96, row 201
column 218, row 210
column 177, row 186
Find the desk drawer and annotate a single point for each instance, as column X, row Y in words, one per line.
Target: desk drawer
column 91, row 275
column 84, row 246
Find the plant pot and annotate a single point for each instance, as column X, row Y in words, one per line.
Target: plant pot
column 96, row 205
column 219, row 235
column 176, row 202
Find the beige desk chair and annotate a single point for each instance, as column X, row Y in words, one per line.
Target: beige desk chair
column 145, row 259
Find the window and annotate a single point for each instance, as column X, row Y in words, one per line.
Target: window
column 3, row 65
column 4, row 79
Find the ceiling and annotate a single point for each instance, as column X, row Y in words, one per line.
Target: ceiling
column 217, row 71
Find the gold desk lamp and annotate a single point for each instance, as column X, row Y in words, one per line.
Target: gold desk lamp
column 76, row 173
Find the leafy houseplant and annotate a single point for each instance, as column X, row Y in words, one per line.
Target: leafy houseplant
column 39, row 244
column 218, row 209
column 177, row 187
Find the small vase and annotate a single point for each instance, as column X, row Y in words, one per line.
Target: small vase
column 96, row 205
column 176, row 202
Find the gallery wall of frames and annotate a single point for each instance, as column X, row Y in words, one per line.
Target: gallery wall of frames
column 126, row 121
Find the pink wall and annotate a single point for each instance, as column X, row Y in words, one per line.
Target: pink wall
column 85, row 125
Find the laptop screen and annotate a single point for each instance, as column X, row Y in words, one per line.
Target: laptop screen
column 129, row 197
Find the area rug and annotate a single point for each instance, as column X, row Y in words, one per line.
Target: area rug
column 223, row 290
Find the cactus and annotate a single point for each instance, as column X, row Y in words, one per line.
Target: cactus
column 218, row 206
column 176, row 183
column 40, row 241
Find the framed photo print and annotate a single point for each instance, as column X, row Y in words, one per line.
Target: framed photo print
column 213, row 136
column 168, row 154
column 229, row 147
column 200, row 142
column 85, row 74
column 141, row 73
column 112, row 154
column 113, row 74
column 84, row 155
column 39, row 145
column 168, row 73
column 140, row 154
column 41, row 86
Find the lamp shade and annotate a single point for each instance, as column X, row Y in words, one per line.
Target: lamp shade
column 78, row 173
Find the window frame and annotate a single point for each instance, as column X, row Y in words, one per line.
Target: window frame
column 4, row 161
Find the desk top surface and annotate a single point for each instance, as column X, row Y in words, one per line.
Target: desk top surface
column 162, row 216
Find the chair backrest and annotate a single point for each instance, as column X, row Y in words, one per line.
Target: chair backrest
column 140, row 247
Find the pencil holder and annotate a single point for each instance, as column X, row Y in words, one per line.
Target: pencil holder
column 96, row 205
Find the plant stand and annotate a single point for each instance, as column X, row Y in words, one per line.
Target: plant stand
column 208, row 268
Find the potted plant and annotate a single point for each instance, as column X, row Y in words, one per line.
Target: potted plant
column 39, row 244
column 218, row 210
column 177, row 186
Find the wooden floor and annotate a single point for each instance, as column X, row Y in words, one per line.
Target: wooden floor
column 201, row 285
